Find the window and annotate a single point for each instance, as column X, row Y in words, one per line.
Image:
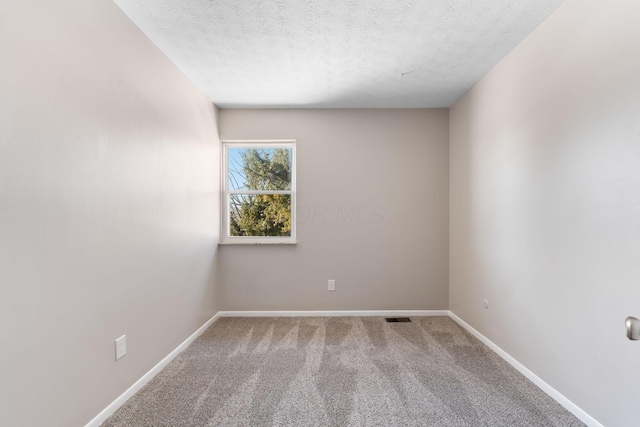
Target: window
column 259, row 185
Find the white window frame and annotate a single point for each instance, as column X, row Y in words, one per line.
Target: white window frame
column 226, row 238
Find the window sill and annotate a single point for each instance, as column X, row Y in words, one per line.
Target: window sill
column 254, row 243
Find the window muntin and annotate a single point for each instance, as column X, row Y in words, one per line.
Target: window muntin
column 258, row 192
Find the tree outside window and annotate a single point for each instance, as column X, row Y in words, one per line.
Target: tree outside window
column 259, row 192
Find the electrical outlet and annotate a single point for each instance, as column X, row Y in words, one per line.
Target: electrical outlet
column 486, row 303
column 332, row 285
column 121, row 347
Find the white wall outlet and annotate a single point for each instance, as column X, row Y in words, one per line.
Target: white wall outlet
column 332, row 285
column 486, row 303
column 121, row 347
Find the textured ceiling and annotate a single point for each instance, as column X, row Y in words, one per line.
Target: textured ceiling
column 336, row 53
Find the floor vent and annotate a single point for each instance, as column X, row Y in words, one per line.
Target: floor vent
column 397, row 319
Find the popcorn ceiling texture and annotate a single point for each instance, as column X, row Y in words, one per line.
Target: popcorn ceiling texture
column 336, row 53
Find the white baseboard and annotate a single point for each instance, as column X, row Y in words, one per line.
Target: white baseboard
column 113, row 407
column 344, row 313
column 552, row 392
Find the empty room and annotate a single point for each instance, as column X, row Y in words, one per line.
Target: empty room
column 319, row 213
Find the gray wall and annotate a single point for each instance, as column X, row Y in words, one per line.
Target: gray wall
column 109, row 206
column 372, row 213
column 545, row 205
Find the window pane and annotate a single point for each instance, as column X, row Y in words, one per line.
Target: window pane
column 260, row 215
column 259, row 168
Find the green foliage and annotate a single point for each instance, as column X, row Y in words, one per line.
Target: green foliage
column 267, row 169
column 263, row 214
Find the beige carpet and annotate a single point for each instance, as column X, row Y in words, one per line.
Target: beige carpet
column 339, row 372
